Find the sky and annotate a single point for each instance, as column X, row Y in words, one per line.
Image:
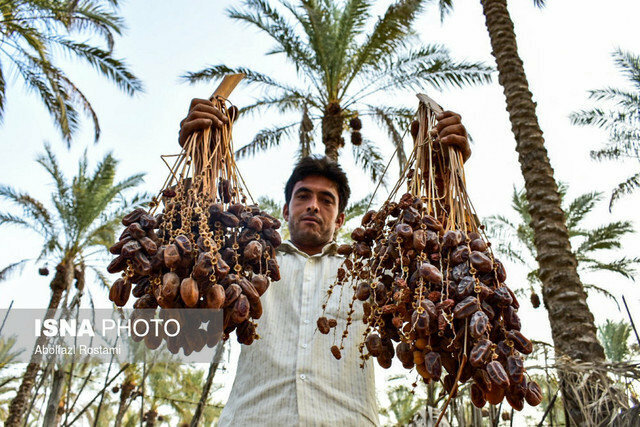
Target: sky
column 566, row 48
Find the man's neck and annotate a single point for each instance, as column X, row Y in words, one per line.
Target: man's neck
column 309, row 250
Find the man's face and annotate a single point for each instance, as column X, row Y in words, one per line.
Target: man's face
column 312, row 213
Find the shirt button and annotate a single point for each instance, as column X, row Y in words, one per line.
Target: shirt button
column 304, row 346
column 306, row 321
column 303, row 377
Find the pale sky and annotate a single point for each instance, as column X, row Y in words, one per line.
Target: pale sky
column 566, row 51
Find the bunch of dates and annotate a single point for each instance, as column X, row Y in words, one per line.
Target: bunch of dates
column 199, row 254
column 437, row 301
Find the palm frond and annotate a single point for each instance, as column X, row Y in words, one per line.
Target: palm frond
column 265, row 139
column 533, row 277
column 614, row 337
column 605, row 237
column 270, row 206
column 629, row 64
column 389, row 34
column 33, row 210
column 627, row 186
column 14, row 268
column 284, row 103
column 369, row 158
column 357, row 208
column 626, row 267
column 435, row 69
column 115, row 69
column 589, row 287
column 103, row 280
column 269, row 20
column 251, row 77
column 580, row 207
column 2, row 93
column 394, row 119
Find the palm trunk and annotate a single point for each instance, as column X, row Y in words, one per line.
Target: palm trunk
column 332, row 121
column 213, row 367
column 51, row 413
column 125, row 392
column 572, row 324
column 60, row 283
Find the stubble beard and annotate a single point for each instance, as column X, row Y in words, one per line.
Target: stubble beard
column 309, row 237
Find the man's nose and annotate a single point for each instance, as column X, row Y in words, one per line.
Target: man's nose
column 313, row 205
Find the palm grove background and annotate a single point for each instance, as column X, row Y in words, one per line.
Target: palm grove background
column 568, row 48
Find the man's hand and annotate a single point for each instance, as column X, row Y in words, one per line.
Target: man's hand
column 450, row 132
column 202, row 115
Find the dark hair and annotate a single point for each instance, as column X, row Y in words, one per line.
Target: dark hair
column 320, row 166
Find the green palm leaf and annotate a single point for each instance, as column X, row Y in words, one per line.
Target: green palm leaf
column 342, row 55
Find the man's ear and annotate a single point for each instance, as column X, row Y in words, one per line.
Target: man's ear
column 285, row 211
column 340, row 220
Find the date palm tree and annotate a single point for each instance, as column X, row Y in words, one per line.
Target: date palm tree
column 77, row 233
column 621, row 120
column 514, row 240
column 34, row 32
column 346, row 61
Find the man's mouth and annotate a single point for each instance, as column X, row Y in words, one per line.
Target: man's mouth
column 310, row 219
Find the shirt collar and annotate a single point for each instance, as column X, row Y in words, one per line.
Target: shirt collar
column 328, row 249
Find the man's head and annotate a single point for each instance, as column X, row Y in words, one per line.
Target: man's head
column 316, row 195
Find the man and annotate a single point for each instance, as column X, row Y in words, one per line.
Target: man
column 289, row 376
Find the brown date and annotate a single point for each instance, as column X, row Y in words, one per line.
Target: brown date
column 336, row 352
column 533, row 394
column 433, row 364
column 480, row 353
column 511, row 319
column 465, row 308
column 478, row 324
column 189, row 292
column 260, row 282
column 136, row 231
column 172, row 257
column 132, row 217
column 240, row 311
column 117, row 264
column 451, row 239
column 374, row 344
column 515, row 369
column 480, row 262
column 497, row 374
column 253, row 251
column 495, row 395
column 520, row 342
column 215, row 296
column 344, row 250
column 323, row 325
column 119, row 292
column 419, row 240
column 363, row 291
column 477, row 396
column 231, row 294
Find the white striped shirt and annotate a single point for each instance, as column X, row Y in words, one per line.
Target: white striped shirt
column 288, row 376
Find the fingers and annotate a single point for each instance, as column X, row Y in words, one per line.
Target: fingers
column 459, row 142
column 202, row 115
column 189, row 126
column 452, row 132
column 209, row 109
